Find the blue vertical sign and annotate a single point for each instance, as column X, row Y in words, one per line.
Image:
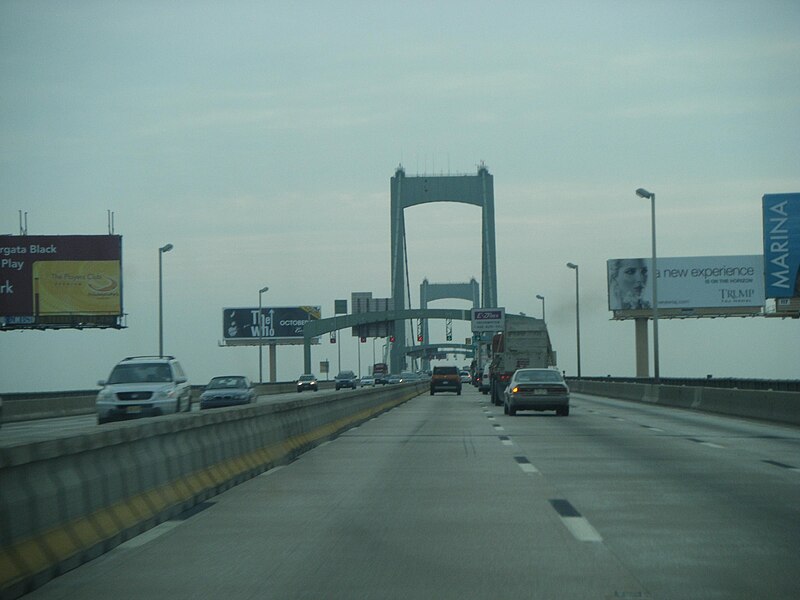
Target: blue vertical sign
column 781, row 245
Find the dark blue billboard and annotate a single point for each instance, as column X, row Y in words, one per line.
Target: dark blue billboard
column 280, row 325
column 781, row 245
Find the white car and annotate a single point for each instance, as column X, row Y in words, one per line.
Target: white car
column 536, row 389
column 368, row 381
column 143, row 386
column 486, row 383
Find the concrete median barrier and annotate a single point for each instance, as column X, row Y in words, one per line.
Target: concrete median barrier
column 48, row 405
column 767, row 405
column 68, row 500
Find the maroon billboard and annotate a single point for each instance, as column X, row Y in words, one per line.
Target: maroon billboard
column 60, row 280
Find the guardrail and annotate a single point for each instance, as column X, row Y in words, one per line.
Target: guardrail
column 67, row 500
column 766, row 405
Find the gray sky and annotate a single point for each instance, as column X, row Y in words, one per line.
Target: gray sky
column 259, row 138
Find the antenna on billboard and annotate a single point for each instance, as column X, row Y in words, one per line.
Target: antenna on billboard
column 23, row 223
column 110, row 221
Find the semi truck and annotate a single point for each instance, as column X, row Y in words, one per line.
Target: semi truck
column 380, row 371
column 523, row 343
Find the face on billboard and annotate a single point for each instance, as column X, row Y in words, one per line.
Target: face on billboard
column 627, row 281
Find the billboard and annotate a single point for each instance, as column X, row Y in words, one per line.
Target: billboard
column 695, row 282
column 781, row 213
column 60, row 280
column 279, row 324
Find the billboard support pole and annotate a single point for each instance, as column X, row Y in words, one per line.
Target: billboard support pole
column 272, row 363
column 260, row 335
column 642, row 358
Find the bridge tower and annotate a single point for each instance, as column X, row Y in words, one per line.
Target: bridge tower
column 406, row 192
column 428, row 292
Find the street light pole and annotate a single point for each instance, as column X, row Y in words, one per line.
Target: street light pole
column 577, row 313
column 260, row 336
column 643, row 193
column 542, row 299
column 161, row 251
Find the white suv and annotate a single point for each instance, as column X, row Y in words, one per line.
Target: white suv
column 143, row 386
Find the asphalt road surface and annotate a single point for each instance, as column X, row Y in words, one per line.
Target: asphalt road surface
column 446, row 497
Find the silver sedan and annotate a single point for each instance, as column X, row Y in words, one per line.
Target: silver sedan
column 536, row 389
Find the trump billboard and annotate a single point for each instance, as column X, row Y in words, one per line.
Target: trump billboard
column 696, row 282
column 60, row 280
column 781, row 245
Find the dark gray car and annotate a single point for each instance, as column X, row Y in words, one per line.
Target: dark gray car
column 228, row 390
column 346, row 379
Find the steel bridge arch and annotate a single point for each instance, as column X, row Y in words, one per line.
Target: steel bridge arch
column 430, row 292
column 406, row 192
column 318, row 327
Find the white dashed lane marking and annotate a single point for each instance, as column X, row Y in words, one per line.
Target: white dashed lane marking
column 578, row 526
column 525, row 464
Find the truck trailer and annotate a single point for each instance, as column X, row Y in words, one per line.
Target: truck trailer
column 522, row 344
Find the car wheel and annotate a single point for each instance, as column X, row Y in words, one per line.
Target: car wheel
column 432, row 392
column 189, row 405
column 505, row 408
column 178, row 405
column 512, row 411
column 563, row 412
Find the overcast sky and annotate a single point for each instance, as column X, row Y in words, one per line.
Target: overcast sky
column 259, row 139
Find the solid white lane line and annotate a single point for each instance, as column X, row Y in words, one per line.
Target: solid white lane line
column 151, row 534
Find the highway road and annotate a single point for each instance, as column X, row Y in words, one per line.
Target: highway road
column 446, row 497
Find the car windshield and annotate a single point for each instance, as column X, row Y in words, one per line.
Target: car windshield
column 306, row 378
column 219, row 383
column 141, row 373
column 539, row 376
column 445, row 371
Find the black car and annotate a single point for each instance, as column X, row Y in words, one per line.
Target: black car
column 307, row 381
column 346, row 379
column 228, row 390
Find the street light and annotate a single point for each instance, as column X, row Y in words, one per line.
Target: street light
column 161, row 251
column 260, row 335
column 542, row 299
column 577, row 313
column 643, row 193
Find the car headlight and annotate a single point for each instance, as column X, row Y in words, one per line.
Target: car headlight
column 166, row 394
column 104, row 395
